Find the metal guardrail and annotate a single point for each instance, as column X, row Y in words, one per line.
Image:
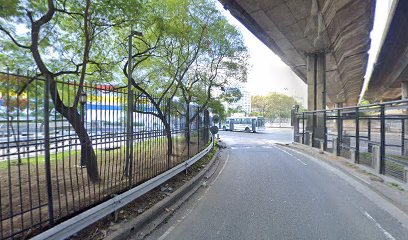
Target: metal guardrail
column 81, row 221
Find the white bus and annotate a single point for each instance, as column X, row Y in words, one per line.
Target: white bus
column 247, row 124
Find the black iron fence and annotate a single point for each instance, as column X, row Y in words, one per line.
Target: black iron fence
column 52, row 168
column 374, row 135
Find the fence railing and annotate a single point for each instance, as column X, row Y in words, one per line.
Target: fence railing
column 48, row 164
column 374, row 135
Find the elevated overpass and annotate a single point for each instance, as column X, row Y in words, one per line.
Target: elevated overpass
column 324, row 42
column 389, row 80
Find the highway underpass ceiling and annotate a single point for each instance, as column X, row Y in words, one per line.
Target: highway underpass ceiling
column 391, row 67
column 294, row 28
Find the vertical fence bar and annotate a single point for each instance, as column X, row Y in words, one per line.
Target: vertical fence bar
column 188, row 130
column 369, row 130
column 339, row 132
column 324, row 129
column 403, row 137
column 382, row 139
column 303, row 128
column 198, row 129
column 314, row 128
column 47, row 150
column 165, row 134
column 357, row 151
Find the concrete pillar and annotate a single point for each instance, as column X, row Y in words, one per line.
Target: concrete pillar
column 334, row 150
column 316, row 84
column 405, row 174
column 311, row 63
column 376, row 158
column 404, row 95
column 316, row 81
column 404, row 90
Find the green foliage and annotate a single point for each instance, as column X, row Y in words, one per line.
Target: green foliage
column 273, row 105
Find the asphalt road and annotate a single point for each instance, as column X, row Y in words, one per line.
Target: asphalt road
column 265, row 191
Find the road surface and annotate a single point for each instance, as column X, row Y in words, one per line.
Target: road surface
column 265, row 191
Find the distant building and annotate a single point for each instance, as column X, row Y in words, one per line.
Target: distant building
column 244, row 103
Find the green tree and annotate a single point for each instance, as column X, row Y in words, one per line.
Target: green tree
column 66, row 40
column 274, row 105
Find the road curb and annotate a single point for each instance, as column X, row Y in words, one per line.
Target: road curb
column 145, row 223
column 372, row 185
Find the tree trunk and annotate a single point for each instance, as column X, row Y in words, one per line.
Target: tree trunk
column 88, row 156
column 169, row 141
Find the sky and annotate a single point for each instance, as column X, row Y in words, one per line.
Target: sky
column 268, row 73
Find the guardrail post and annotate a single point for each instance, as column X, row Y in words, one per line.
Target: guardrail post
column 382, row 139
column 47, row 155
column 339, row 132
column 357, row 146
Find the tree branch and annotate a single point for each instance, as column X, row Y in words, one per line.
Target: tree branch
column 13, row 39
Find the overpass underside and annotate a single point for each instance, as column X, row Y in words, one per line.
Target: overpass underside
column 325, row 42
column 389, row 79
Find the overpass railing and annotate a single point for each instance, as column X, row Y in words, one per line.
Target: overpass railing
column 45, row 159
column 374, row 135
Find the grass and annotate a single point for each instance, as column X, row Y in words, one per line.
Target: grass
column 205, row 160
column 396, row 185
column 26, row 186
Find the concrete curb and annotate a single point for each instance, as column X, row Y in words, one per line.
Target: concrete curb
column 145, row 223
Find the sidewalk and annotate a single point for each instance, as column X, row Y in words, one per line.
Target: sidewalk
column 393, row 190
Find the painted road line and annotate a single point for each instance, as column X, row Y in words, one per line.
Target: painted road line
column 386, row 234
column 298, row 159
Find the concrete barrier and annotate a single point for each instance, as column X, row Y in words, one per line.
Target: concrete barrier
column 376, row 158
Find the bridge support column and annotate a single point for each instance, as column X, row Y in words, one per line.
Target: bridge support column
column 316, row 84
column 404, row 95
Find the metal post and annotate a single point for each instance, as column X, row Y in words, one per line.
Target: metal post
column 357, row 153
column 47, row 155
column 314, row 128
column 169, row 122
column 198, row 130
column 382, row 139
column 129, row 122
column 303, row 128
column 369, row 130
column 402, row 137
column 188, row 131
column 339, row 132
column 325, row 131
column 83, row 161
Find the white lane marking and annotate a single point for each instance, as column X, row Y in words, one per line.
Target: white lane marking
column 386, row 234
column 162, row 237
column 291, row 155
column 171, row 228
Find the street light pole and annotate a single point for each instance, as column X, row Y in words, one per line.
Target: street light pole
column 129, row 122
column 82, row 101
